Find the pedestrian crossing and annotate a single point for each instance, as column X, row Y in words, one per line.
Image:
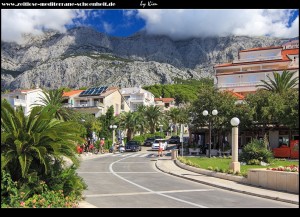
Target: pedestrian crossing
column 145, row 155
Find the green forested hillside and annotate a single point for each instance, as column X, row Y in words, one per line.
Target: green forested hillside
column 183, row 90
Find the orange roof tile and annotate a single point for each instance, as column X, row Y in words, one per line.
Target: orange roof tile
column 284, row 53
column 237, row 95
column 72, row 92
column 27, row 90
column 261, row 48
column 223, row 64
column 166, row 100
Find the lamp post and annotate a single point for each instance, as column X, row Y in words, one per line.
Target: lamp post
column 113, row 127
column 160, row 126
column 235, row 164
column 206, row 113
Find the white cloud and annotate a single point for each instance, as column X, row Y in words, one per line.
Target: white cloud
column 16, row 22
column 181, row 24
column 108, row 28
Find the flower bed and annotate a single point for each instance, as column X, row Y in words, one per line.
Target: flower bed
column 277, row 179
column 291, row 168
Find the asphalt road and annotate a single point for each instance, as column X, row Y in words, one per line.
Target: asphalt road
column 131, row 180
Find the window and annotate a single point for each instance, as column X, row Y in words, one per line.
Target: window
column 167, row 105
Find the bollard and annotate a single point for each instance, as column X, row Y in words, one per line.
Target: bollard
column 174, row 154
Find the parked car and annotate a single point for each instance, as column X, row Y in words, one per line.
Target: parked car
column 149, row 141
column 133, row 146
column 174, row 140
column 155, row 145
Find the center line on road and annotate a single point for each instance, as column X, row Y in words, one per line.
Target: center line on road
column 147, row 189
column 117, row 172
column 141, row 193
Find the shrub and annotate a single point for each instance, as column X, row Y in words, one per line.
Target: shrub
column 210, row 168
column 65, row 179
column 9, row 191
column 141, row 139
column 217, row 169
column 254, row 152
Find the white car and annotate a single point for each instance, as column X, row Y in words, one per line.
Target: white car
column 155, row 144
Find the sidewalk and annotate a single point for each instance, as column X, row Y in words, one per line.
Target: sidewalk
column 167, row 165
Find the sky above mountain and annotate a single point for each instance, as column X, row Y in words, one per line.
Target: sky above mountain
column 176, row 23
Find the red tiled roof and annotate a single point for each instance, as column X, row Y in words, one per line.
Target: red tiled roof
column 284, row 53
column 166, row 100
column 237, row 95
column 261, row 48
column 27, row 90
column 70, row 93
column 223, row 64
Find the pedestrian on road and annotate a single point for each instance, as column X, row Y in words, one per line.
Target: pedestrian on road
column 160, row 149
column 102, row 142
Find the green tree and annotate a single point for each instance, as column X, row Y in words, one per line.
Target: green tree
column 129, row 121
column 266, row 108
column 281, row 83
column 142, row 122
column 152, row 114
column 30, row 144
column 209, row 98
column 106, row 120
column 54, row 99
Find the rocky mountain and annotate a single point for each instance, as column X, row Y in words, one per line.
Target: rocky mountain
column 84, row 57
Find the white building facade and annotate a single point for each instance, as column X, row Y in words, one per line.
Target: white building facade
column 136, row 96
column 24, row 98
column 253, row 65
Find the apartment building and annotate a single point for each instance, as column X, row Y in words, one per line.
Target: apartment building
column 136, row 96
column 96, row 100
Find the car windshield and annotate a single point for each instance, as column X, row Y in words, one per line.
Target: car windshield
column 175, row 137
column 131, row 143
column 157, row 141
column 150, row 139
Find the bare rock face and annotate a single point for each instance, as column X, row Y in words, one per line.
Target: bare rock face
column 85, row 57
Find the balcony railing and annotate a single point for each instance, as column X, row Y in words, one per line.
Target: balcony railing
column 256, row 59
column 242, row 84
column 19, row 102
column 81, row 105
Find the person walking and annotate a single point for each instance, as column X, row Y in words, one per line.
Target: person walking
column 160, row 149
column 102, row 142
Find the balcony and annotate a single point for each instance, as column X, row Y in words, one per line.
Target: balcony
column 94, row 104
column 18, row 102
column 242, row 84
column 256, row 59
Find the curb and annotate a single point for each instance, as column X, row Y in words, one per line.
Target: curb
column 223, row 187
column 84, row 204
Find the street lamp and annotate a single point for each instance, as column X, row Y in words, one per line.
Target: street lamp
column 160, row 126
column 113, row 127
column 206, row 113
column 235, row 164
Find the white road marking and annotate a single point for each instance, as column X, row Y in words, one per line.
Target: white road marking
column 134, row 155
column 115, row 172
column 135, row 162
column 139, row 193
column 147, row 189
column 144, row 155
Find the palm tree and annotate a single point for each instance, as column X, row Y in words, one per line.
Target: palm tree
column 129, row 121
column 152, row 115
column 174, row 114
column 142, row 122
column 54, row 99
column 281, row 83
column 30, row 144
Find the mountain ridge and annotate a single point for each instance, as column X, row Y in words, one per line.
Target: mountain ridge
column 84, row 57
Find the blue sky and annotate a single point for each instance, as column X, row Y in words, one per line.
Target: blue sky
column 176, row 23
